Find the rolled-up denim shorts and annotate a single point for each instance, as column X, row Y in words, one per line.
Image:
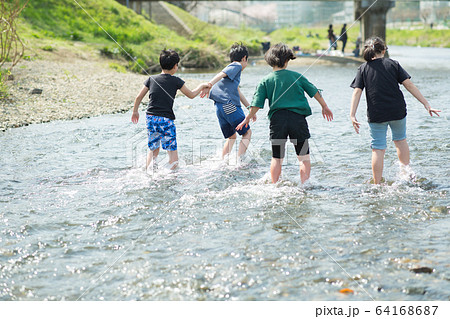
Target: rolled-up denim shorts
column 378, row 132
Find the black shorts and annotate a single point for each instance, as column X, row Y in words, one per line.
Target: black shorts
column 284, row 124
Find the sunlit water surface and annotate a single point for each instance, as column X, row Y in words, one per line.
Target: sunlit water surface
column 80, row 219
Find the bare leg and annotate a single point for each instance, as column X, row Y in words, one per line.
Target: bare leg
column 228, row 145
column 377, row 165
column 243, row 145
column 173, row 159
column 402, row 151
column 275, row 169
column 151, row 156
column 305, row 167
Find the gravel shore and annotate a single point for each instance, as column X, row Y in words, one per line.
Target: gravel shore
column 72, row 88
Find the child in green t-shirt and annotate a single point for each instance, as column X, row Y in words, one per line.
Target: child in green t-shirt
column 285, row 90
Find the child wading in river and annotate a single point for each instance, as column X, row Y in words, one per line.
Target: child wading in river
column 227, row 99
column 160, row 117
column 288, row 108
column 386, row 105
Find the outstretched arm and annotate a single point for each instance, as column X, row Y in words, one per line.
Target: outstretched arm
column 243, row 99
column 416, row 93
column 326, row 112
column 137, row 102
column 219, row 76
column 354, row 106
column 191, row 94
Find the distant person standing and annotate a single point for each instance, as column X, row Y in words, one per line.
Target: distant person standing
column 343, row 36
column 358, row 47
column 332, row 37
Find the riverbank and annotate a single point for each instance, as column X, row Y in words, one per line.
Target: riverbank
column 67, row 86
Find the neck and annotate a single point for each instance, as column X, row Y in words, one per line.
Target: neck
column 277, row 68
column 378, row 56
column 171, row 72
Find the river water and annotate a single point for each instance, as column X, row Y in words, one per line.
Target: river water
column 81, row 220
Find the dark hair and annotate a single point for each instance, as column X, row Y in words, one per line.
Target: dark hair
column 237, row 52
column 168, row 59
column 372, row 47
column 278, row 55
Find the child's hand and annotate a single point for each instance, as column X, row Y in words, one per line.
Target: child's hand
column 431, row 111
column 242, row 124
column 356, row 124
column 205, row 90
column 135, row 117
column 327, row 114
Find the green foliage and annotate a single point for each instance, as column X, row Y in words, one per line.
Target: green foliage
column 109, row 53
column 48, row 48
column 117, row 67
column 3, row 86
column 138, row 66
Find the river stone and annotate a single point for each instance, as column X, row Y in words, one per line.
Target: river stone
column 36, row 91
column 422, row 270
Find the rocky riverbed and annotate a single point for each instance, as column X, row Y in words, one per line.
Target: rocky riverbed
column 64, row 89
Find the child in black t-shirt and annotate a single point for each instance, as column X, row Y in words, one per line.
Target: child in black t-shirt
column 162, row 89
column 386, row 105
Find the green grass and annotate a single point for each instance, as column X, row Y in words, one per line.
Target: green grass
column 63, row 21
column 298, row 37
column 424, row 37
column 58, row 23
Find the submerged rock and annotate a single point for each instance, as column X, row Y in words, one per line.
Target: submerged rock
column 422, row 270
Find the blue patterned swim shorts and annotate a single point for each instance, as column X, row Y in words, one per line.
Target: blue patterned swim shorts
column 161, row 130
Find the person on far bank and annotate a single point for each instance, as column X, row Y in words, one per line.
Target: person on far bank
column 332, row 38
column 343, row 36
column 227, row 99
column 162, row 89
column 386, row 106
column 288, row 108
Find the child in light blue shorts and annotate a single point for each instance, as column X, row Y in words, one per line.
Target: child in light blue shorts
column 386, row 105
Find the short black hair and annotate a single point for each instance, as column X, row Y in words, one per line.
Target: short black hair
column 237, row 52
column 372, row 47
column 278, row 55
column 168, row 59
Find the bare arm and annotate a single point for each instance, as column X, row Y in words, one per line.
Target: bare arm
column 137, row 102
column 326, row 112
column 416, row 93
column 354, row 106
column 191, row 94
column 219, row 76
column 243, row 99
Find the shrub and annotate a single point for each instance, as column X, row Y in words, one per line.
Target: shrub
column 3, row 86
column 48, row 48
